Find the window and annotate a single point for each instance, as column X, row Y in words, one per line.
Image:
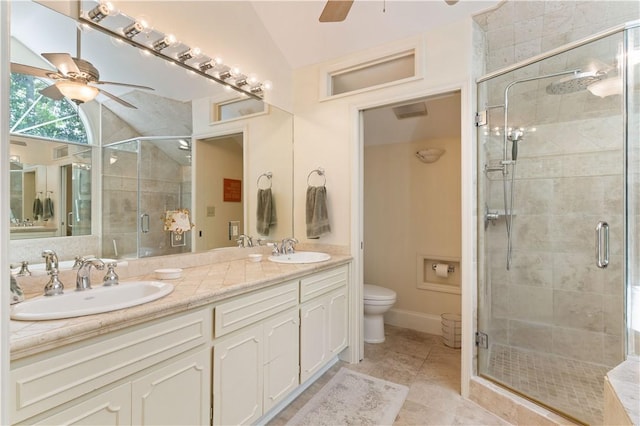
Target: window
column 33, row 114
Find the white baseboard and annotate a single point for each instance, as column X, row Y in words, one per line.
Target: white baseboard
column 426, row 323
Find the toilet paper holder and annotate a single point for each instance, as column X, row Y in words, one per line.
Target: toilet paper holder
column 450, row 268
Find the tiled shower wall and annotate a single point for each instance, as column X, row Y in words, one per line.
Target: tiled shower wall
column 161, row 188
column 555, row 299
column 518, row 30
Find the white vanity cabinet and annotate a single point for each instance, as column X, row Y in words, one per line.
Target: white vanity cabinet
column 153, row 373
column 323, row 319
column 255, row 353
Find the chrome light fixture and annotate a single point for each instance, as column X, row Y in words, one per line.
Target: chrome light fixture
column 189, row 54
column 164, row 42
column 214, row 69
column 101, row 11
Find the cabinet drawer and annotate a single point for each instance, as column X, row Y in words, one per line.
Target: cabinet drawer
column 323, row 282
column 246, row 310
column 50, row 380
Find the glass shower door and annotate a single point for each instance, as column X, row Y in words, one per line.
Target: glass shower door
column 551, row 228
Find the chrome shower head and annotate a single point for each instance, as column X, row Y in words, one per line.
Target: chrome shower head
column 575, row 83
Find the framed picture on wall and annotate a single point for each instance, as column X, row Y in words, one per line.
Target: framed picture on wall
column 232, row 190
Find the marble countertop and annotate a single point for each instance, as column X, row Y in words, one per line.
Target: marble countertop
column 198, row 286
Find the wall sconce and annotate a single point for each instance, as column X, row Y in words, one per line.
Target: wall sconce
column 14, row 159
column 164, row 42
column 430, row 155
column 101, row 11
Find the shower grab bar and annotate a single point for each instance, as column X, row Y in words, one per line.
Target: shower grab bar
column 602, row 244
column 144, row 223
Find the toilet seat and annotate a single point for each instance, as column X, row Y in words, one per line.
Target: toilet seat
column 376, row 293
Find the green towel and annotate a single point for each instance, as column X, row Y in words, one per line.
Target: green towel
column 265, row 212
column 37, row 208
column 316, row 211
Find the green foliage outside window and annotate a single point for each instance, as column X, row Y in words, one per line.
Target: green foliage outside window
column 36, row 115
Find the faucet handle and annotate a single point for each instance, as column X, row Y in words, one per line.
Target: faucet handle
column 24, row 269
column 78, row 262
column 54, row 287
column 111, row 278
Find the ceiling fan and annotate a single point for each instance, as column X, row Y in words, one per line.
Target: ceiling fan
column 337, row 10
column 74, row 78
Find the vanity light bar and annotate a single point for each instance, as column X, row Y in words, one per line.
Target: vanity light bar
column 101, row 11
column 229, row 77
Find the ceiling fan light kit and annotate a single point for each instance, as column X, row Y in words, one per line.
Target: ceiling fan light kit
column 77, row 92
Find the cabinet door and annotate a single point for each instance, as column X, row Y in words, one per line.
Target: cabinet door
column 177, row 394
column 313, row 337
column 337, row 306
column 281, row 357
column 237, row 377
column 109, row 408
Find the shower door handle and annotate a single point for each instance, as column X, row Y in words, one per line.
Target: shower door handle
column 144, row 223
column 602, row 244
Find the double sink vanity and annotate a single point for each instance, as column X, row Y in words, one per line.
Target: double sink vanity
column 232, row 342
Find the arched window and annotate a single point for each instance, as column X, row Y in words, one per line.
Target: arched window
column 33, row 114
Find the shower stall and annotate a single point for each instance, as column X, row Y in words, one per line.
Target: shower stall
column 558, row 206
column 143, row 179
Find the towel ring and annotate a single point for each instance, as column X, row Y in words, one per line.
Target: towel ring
column 268, row 175
column 320, row 172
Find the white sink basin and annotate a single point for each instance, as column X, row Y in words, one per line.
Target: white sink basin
column 95, row 301
column 301, row 257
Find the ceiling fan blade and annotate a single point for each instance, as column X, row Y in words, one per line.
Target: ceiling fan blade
column 123, row 84
column 29, row 70
column 117, row 99
column 335, row 10
column 63, row 62
column 52, row 92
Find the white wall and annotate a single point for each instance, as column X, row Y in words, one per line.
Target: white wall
column 411, row 208
column 326, row 133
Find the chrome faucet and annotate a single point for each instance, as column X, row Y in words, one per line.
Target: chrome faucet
column 244, row 241
column 50, row 260
column 54, row 287
column 288, row 245
column 83, row 279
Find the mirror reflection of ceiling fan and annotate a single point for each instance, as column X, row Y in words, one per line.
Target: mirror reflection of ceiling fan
column 337, row 10
column 74, row 78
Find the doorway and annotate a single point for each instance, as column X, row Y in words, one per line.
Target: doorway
column 411, row 161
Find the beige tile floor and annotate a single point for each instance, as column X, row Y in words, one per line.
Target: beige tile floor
column 422, row 362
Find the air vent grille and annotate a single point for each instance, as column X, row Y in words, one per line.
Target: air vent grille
column 417, row 109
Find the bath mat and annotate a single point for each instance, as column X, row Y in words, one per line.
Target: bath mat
column 352, row 398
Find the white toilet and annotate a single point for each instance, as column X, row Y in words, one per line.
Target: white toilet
column 377, row 301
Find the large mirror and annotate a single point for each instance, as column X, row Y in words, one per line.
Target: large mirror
column 141, row 152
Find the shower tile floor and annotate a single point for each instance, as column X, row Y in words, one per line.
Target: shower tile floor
column 572, row 386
